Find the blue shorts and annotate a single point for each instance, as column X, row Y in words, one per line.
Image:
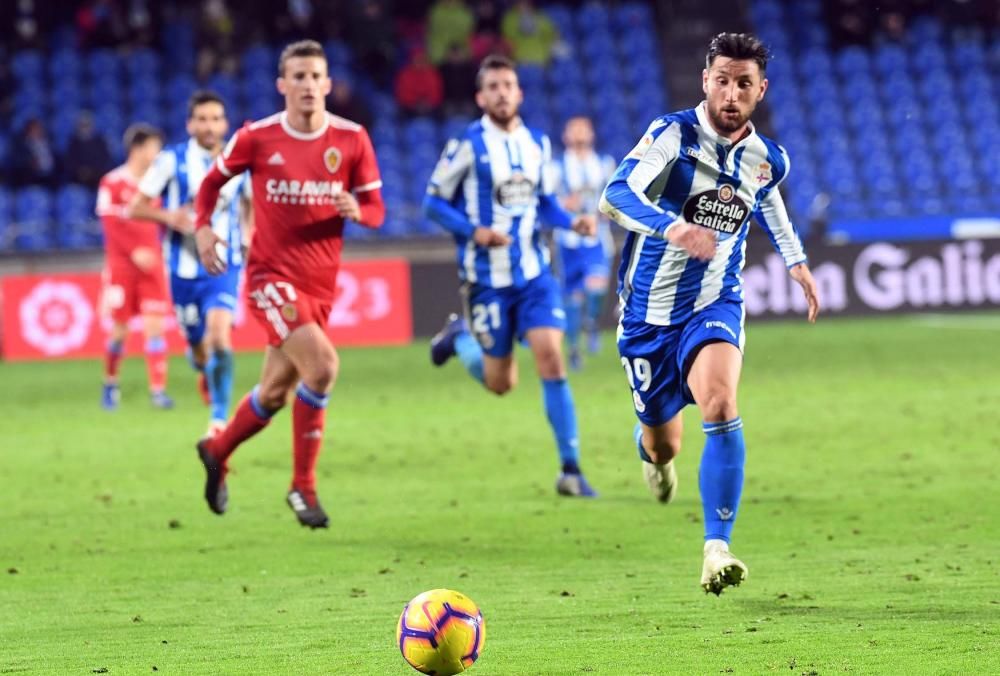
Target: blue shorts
column 498, row 316
column 657, row 358
column 578, row 263
column 193, row 298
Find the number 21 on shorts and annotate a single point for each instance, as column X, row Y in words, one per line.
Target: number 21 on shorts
column 640, row 376
column 485, row 317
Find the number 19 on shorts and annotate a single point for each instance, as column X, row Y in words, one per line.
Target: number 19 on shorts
column 640, row 376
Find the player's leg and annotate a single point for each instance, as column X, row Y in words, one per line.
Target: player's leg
column 574, row 303
column 115, row 349
column 716, row 360
column 219, row 304
column 658, row 445
column 278, row 376
column 118, row 300
column 310, row 350
column 596, row 290
column 156, row 360
column 190, row 314
column 483, row 339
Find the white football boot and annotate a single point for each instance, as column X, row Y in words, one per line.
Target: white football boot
column 721, row 568
column 661, row 479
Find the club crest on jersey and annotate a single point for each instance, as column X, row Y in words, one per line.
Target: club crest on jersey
column 720, row 209
column 763, row 173
column 289, row 312
column 331, row 158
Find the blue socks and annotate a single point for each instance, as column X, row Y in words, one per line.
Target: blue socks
column 595, row 303
column 470, row 354
column 574, row 319
column 637, row 435
column 219, row 372
column 720, row 476
column 562, row 416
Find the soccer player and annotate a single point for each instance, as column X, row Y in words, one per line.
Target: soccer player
column 310, row 171
column 584, row 262
column 489, row 191
column 204, row 304
column 134, row 282
column 686, row 193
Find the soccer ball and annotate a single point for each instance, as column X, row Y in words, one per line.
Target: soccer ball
column 441, row 632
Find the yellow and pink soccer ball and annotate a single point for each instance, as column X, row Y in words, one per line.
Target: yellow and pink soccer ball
column 441, row 632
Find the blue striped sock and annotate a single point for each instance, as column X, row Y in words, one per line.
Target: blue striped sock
column 720, row 477
column 637, row 435
column 470, row 354
column 314, row 399
column 562, row 417
column 220, row 382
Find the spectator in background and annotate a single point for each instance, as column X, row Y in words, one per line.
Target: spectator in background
column 87, row 155
column 458, row 75
column 343, row 102
column 419, row 89
column 32, row 158
column 449, row 21
column 99, row 23
column 487, row 16
column 372, row 39
column 215, row 28
column 531, row 34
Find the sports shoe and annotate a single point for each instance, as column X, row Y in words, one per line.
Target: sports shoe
column 721, row 569
column 574, row 485
column 111, row 395
column 443, row 343
column 161, row 400
column 206, row 396
column 306, row 506
column 216, row 492
column 575, row 360
column 661, row 479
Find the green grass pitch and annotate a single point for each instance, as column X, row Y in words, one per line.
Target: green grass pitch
column 870, row 520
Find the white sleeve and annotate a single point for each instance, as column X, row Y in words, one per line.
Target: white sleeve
column 155, row 180
column 247, row 192
column 455, row 162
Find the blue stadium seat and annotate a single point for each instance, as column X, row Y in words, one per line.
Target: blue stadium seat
column 970, row 204
column 593, row 19
column 6, row 215
column 74, row 215
column 180, row 87
column 224, row 86
column 420, row 130
column 853, row 61
column 103, row 63
column 64, row 65
column 144, row 90
column 28, row 64
column 632, row 16
column 890, row 59
column 33, row 216
column 143, row 63
column 337, row 53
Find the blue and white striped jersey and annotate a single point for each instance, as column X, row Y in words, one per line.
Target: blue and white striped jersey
column 587, row 177
column 682, row 167
column 176, row 174
column 496, row 179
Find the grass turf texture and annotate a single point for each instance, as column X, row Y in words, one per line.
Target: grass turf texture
column 869, row 520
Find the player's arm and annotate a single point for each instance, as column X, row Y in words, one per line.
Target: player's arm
column 625, row 199
column 455, row 163
column 246, row 214
column 550, row 211
column 773, row 216
column 154, row 181
column 363, row 202
column 233, row 160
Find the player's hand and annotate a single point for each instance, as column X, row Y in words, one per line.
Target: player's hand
column 801, row 274
column 698, row 241
column 585, row 224
column 488, row 237
column 180, row 220
column 208, row 250
column 347, row 205
column 144, row 258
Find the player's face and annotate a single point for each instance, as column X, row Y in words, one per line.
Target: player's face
column 500, row 96
column 305, row 84
column 208, row 124
column 579, row 134
column 146, row 151
column 733, row 88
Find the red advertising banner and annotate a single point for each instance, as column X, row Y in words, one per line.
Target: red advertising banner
column 59, row 316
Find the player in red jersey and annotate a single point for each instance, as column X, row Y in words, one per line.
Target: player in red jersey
column 134, row 277
column 310, row 171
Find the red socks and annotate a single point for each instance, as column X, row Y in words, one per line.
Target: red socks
column 308, row 422
column 156, row 363
column 248, row 419
column 112, row 360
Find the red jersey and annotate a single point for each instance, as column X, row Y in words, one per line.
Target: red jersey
column 123, row 235
column 298, row 232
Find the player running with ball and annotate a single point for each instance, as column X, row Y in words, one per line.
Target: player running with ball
column 686, row 193
column 310, row 171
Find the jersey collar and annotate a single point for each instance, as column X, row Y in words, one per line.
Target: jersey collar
column 194, row 145
column 302, row 136
column 702, row 112
column 490, row 126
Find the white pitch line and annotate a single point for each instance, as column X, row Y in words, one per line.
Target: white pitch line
column 958, row 321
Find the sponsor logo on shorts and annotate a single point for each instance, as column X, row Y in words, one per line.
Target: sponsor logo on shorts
column 485, row 340
column 715, row 324
column 720, row 209
column 289, row 312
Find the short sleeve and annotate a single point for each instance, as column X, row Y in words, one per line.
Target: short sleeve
column 235, row 158
column 365, row 174
column 455, row 162
column 105, row 200
column 155, row 180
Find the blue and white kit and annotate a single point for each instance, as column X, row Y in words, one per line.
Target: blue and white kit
column 673, row 304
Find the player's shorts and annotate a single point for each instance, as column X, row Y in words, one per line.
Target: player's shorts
column 578, row 263
column 657, row 358
column 280, row 307
column 193, row 298
column 129, row 292
column 499, row 316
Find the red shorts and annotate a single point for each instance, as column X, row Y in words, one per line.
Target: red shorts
column 281, row 308
column 129, row 292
